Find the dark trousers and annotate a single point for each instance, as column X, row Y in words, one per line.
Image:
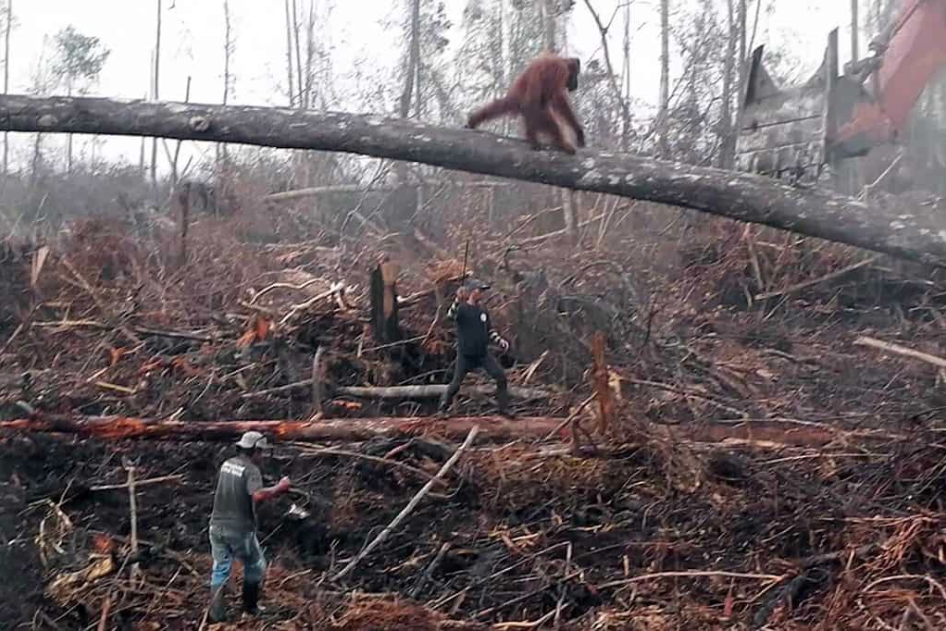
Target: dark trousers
column 468, row 363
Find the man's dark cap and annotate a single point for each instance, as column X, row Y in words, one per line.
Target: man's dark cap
column 474, row 283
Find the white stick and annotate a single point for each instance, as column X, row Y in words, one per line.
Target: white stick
column 901, row 350
column 133, row 510
column 410, row 506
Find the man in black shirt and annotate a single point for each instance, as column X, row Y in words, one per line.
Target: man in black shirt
column 474, row 333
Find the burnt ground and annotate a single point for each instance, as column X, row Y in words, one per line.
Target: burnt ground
column 831, row 520
column 555, row 529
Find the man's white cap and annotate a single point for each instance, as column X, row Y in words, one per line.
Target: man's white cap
column 251, row 440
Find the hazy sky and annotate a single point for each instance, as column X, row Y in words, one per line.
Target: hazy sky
column 193, row 35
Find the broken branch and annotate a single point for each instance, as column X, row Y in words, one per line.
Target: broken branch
column 901, row 350
column 891, row 227
column 410, row 506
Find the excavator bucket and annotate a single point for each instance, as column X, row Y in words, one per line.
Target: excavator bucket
column 786, row 133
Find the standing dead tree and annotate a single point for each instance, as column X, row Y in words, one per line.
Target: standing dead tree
column 664, row 101
column 228, row 48
column 619, row 96
column 77, row 62
column 156, row 82
column 883, row 225
column 6, row 80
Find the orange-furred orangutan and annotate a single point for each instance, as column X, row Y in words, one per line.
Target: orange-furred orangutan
column 540, row 96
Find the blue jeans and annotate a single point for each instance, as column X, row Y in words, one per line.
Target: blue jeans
column 225, row 545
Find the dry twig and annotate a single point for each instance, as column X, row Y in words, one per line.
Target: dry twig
column 410, row 506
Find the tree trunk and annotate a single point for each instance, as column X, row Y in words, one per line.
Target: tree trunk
column 309, row 59
column 37, row 158
column 664, row 103
column 570, row 213
column 609, row 67
column 885, row 225
column 292, row 88
column 413, row 60
column 6, row 82
column 177, row 148
column 548, row 22
column 69, row 136
column 411, row 73
column 743, row 59
column 227, row 52
column 626, row 132
column 491, row 428
column 141, row 155
column 384, row 306
column 295, row 30
column 855, row 27
column 156, row 94
column 726, row 136
column 496, row 428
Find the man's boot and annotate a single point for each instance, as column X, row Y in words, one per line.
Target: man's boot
column 218, row 605
column 251, row 598
column 502, row 400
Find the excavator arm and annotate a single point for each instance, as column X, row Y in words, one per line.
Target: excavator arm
column 794, row 133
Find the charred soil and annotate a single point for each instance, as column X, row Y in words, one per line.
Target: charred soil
column 758, row 467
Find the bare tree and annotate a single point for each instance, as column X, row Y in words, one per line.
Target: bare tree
column 664, row 101
column 411, row 78
column 887, row 224
column 626, row 133
column 743, row 69
column 295, row 30
column 855, row 26
column 612, row 79
column 292, row 89
column 42, row 81
column 413, row 61
column 141, row 155
column 569, row 198
column 77, row 63
column 228, row 48
column 548, row 21
column 727, row 144
column 310, row 55
column 177, row 146
column 155, row 93
column 6, row 82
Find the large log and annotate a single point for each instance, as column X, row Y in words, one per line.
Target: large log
column 436, row 390
column 761, row 434
column 890, row 227
column 495, row 428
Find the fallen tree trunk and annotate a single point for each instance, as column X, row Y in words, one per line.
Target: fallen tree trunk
column 495, row 428
column 888, row 227
column 434, row 391
column 759, row 434
column 405, row 392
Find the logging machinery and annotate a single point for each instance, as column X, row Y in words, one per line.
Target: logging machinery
column 794, row 133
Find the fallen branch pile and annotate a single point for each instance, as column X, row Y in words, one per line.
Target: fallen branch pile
column 697, row 458
column 751, row 534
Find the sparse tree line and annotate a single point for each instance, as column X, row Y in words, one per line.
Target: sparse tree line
column 446, row 68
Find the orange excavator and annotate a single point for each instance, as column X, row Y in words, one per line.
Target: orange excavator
column 794, row 133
